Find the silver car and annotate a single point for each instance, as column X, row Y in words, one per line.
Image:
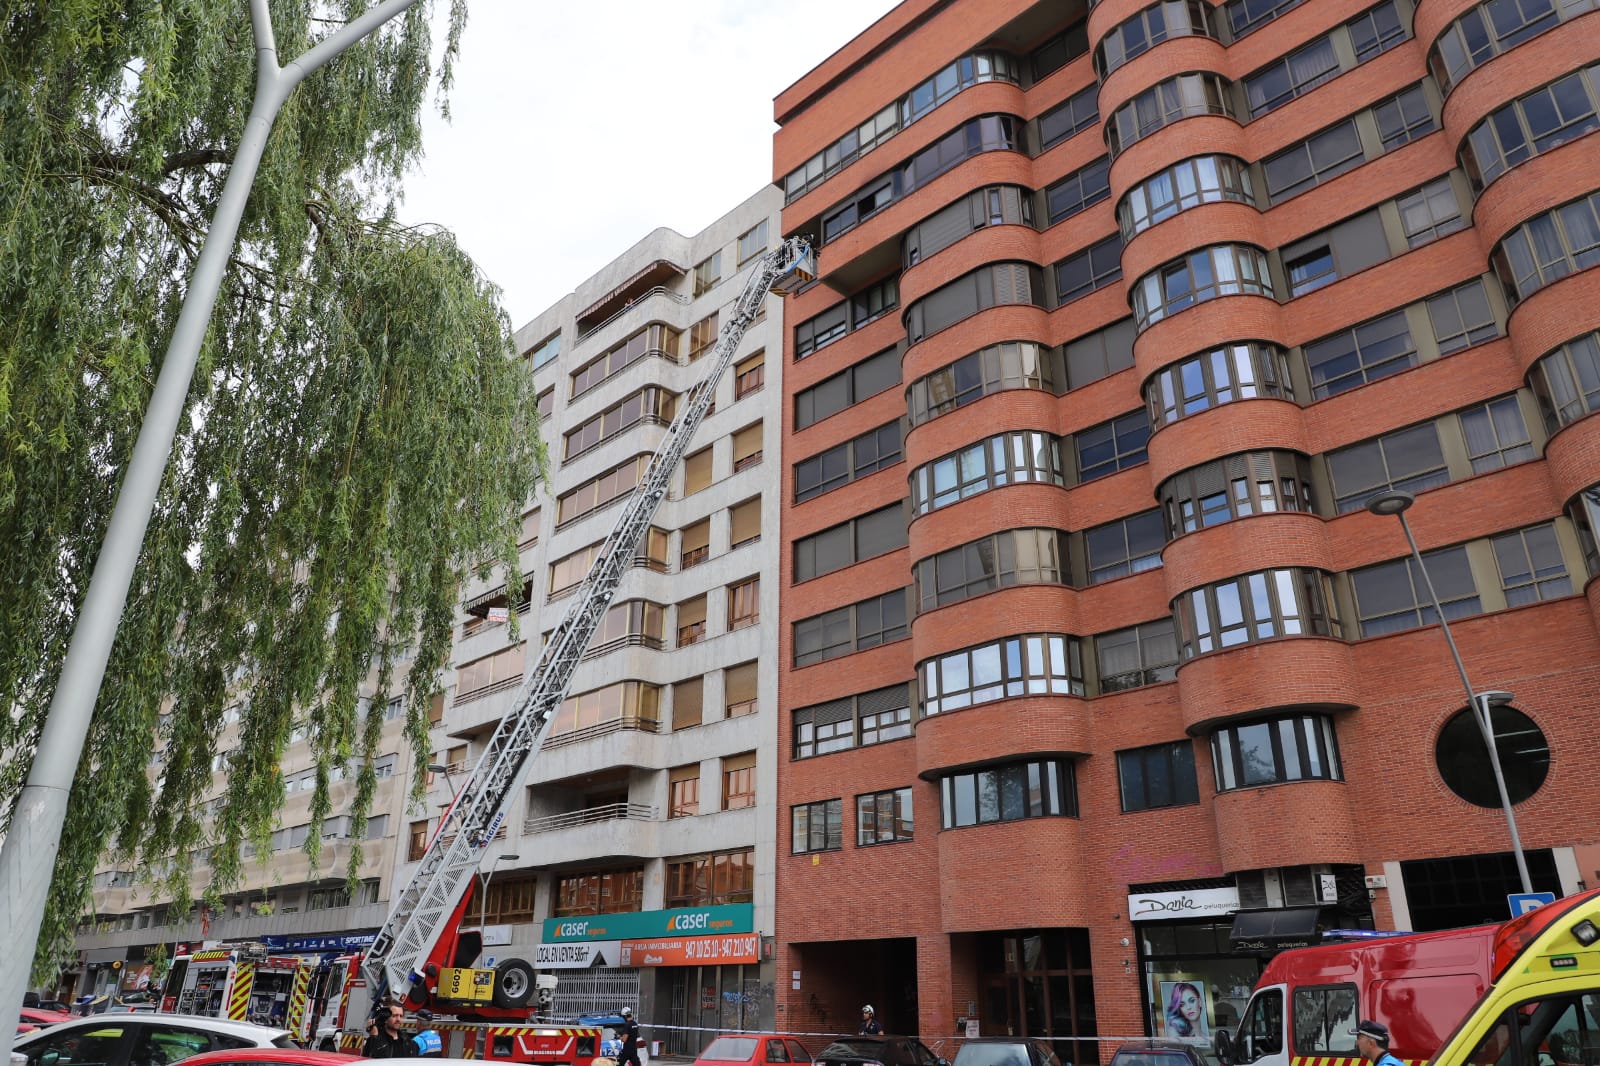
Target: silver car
column 128, row 1039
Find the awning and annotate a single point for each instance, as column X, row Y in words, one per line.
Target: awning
column 657, row 272
column 1275, row 928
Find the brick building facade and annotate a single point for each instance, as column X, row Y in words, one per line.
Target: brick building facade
column 1097, row 681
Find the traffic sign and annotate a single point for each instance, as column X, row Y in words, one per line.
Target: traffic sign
column 1523, row 902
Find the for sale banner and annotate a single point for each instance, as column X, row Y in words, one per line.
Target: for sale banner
column 692, row 950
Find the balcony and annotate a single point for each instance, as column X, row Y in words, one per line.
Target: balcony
column 694, row 557
column 609, row 812
column 691, row 634
column 616, row 725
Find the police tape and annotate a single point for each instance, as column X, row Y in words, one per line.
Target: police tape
column 928, row 1040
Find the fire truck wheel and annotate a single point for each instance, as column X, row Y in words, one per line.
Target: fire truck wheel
column 513, row 983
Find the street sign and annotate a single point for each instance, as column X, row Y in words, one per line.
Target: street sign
column 1523, row 902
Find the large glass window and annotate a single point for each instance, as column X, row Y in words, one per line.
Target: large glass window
column 1161, row 775
column 867, row 624
column 1204, row 274
column 1292, row 748
column 1008, row 459
column 1083, row 272
column 1288, row 602
column 995, row 285
column 1235, row 487
column 997, row 368
column 1038, row 664
column 707, row 880
column 1137, row 656
column 1361, row 354
column 1410, row 459
column 1567, row 381
column 869, row 377
column 1204, row 179
column 1530, row 564
column 655, row 339
column 1000, row 560
column 993, row 205
column 817, row 826
column 1171, row 100
column 1112, row 446
column 1393, row 596
column 602, row 491
column 1127, row 546
column 1463, row 761
column 868, row 453
column 1079, row 190
column 1100, row 354
column 629, row 704
column 1549, row 247
column 1367, row 35
column 1243, row 370
column 1493, row 27
column 1034, row 789
column 862, row 537
column 1533, row 123
column 856, row 721
column 1156, row 23
column 649, row 406
column 883, row 817
column 1074, row 115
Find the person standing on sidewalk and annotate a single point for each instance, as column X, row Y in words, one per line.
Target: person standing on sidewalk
column 384, row 1038
column 1372, row 1041
column 869, row 1023
column 629, row 1031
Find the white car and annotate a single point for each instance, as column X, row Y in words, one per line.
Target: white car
column 128, row 1039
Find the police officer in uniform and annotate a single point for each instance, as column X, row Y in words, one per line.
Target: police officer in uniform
column 629, row 1031
column 429, row 1045
column 1372, row 1041
column 869, row 1023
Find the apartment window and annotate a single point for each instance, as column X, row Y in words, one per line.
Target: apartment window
column 1549, row 247
column 1126, row 546
column 1007, row 459
column 707, row 273
column 856, row 721
column 688, row 703
column 1235, row 487
column 1324, row 258
column 1461, row 317
column 864, row 537
column 1364, row 353
column 1247, row 15
column 1410, row 459
column 1496, row 434
column 1317, row 159
column 648, row 406
column 883, row 817
column 752, row 242
column 817, row 826
column 1205, row 179
column 744, row 603
column 602, row 491
column 1292, row 748
column 1161, row 775
column 857, row 627
column 1531, row 566
column 739, row 689
column 1393, row 596
column 997, row 368
column 1081, row 189
column 1112, row 446
column 999, row 560
column 528, row 535
column 996, row 285
column 1583, row 511
column 1404, row 118
column 1296, row 73
column 873, row 302
column 855, row 458
column 1077, row 113
column 749, row 375
column 1567, row 381
column 1033, row 665
column 1137, row 656
column 1084, row 272
column 491, row 673
column 544, row 352
column 1241, row 371
column 417, row 845
column 589, row 893
column 821, row 330
column 1059, row 50
column 631, row 623
column 696, row 542
column 626, row 704
column 655, row 339
column 1204, row 274
column 1156, row 23
column 1376, row 31
column 1033, row 789
column 691, row 621
column 1491, row 28
column 702, row 335
column 1170, row 101
column 872, row 375
column 744, row 522
column 708, row 880
column 739, row 781
column 683, row 787
column 1289, row 602
column 697, row 471
column 993, row 205
column 747, row 447
column 1431, row 212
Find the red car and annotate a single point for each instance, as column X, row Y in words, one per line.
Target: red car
column 753, row 1049
column 41, row 1018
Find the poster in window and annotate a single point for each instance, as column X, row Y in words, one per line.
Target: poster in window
column 1183, row 1010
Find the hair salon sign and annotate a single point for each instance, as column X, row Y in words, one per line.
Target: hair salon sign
column 1197, row 903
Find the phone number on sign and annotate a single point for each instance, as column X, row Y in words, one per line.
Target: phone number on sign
column 714, row 947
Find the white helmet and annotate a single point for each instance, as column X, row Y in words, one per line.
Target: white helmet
column 627, row 1012
column 867, row 1009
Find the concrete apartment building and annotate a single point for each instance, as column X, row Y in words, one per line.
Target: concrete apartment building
column 1096, row 677
column 651, row 809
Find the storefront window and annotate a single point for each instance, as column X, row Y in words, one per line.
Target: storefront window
column 1195, row 983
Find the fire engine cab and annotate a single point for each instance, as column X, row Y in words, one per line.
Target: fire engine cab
column 243, row 982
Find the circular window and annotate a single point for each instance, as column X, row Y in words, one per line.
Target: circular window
column 1464, row 760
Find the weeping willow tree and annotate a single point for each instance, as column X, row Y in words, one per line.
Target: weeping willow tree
column 357, row 439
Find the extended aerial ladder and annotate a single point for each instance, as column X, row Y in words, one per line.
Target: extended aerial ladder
column 431, row 900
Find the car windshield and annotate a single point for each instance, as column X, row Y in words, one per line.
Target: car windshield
column 999, row 1054
column 852, row 1049
column 730, row 1047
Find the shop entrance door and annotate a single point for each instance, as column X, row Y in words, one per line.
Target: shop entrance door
column 1039, row 984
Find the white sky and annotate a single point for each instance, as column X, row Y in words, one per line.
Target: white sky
column 581, row 125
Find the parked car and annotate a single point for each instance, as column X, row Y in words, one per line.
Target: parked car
column 271, row 1056
column 41, row 1018
column 882, row 1050
column 752, row 1049
column 1163, row 1053
column 126, row 1039
column 1005, row 1051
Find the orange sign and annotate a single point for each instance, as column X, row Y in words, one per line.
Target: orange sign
column 691, row 950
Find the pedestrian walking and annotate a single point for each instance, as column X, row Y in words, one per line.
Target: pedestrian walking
column 384, row 1038
column 869, row 1023
column 1372, row 1041
column 629, row 1031
column 428, row 1043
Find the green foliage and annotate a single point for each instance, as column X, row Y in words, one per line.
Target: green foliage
column 358, row 438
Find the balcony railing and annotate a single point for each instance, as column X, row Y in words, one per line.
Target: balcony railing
column 753, row 459
column 694, row 557
column 740, row 709
column 659, row 290
column 691, row 634
column 642, row 725
column 610, row 812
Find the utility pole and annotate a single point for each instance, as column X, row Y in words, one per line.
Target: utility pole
column 28, row 855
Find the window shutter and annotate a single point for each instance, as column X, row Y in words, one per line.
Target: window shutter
column 884, row 699
column 687, row 702
column 697, row 537
column 829, row 713
column 739, row 683
column 746, row 444
column 697, row 472
column 692, row 611
column 745, row 521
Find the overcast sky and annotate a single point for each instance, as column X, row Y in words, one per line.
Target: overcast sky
column 581, row 125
